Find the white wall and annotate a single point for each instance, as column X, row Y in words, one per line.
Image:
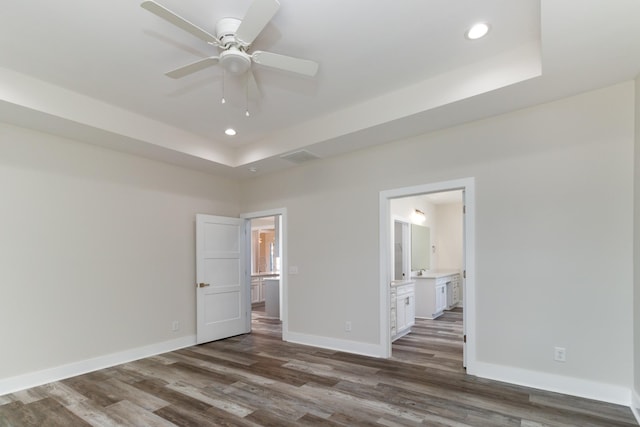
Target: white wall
column 554, row 202
column 97, row 250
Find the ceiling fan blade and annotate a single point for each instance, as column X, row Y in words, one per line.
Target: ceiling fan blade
column 178, row 21
column 252, row 86
column 287, row 63
column 193, row 67
column 257, row 17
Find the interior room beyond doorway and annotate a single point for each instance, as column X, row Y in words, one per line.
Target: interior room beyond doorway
column 427, row 269
column 266, row 289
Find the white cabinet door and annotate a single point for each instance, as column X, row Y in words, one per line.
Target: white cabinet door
column 401, row 308
column 425, row 298
column 441, row 298
column 394, row 313
column 410, row 312
column 255, row 293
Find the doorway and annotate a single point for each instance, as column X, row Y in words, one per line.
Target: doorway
column 266, row 249
column 399, row 206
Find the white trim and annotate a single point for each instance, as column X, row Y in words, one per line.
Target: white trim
column 556, row 383
column 34, row 379
column 635, row 405
column 284, row 265
column 469, row 299
column 354, row 347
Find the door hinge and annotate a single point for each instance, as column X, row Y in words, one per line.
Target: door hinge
column 465, row 338
column 464, row 209
column 464, row 274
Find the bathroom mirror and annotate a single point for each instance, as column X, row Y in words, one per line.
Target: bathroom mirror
column 420, row 247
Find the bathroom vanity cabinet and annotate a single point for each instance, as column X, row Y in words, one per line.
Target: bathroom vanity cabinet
column 436, row 292
column 258, row 290
column 272, row 297
column 403, row 299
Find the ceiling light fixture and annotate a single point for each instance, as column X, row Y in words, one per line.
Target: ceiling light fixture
column 418, row 216
column 477, row 31
column 230, row 132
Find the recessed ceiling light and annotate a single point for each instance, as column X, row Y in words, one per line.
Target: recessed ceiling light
column 477, row 31
column 230, row 132
column 253, row 170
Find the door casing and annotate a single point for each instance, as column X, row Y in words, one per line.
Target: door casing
column 386, row 260
column 282, row 212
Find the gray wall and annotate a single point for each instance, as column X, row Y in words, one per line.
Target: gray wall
column 554, row 203
column 97, row 249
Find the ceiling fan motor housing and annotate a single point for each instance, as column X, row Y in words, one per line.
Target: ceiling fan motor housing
column 226, row 31
column 233, row 59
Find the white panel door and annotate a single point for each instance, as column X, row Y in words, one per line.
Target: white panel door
column 221, row 294
column 463, row 279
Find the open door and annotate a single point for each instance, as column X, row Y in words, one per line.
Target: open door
column 221, row 294
column 463, row 279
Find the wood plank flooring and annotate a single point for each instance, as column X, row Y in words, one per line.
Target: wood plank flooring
column 258, row 380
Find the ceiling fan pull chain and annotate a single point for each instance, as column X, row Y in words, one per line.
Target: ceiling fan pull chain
column 246, row 97
column 223, row 78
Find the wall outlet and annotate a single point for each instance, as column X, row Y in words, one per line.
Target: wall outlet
column 347, row 326
column 293, row 269
column 175, row 326
column 560, row 354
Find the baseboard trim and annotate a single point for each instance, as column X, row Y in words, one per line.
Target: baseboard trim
column 365, row 349
column 555, row 383
column 34, row 379
column 635, row 405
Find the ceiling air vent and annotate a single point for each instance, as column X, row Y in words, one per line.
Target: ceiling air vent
column 299, row 156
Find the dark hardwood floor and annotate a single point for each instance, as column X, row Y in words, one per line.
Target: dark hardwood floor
column 258, row 380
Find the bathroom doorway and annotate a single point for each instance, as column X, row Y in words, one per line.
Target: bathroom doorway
column 442, row 215
column 267, row 285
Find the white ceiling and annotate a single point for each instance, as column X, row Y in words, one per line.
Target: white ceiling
column 439, row 198
column 388, row 69
column 444, row 197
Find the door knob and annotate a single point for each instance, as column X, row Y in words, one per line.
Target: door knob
column 203, row 285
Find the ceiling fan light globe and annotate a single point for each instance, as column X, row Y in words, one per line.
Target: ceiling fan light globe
column 235, row 61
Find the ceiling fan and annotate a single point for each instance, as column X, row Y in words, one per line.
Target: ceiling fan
column 234, row 37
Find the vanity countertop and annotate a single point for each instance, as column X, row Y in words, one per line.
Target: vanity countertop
column 434, row 274
column 396, row 283
column 266, row 274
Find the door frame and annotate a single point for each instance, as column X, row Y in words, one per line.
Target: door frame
column 284, row 297
column 386, row 258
